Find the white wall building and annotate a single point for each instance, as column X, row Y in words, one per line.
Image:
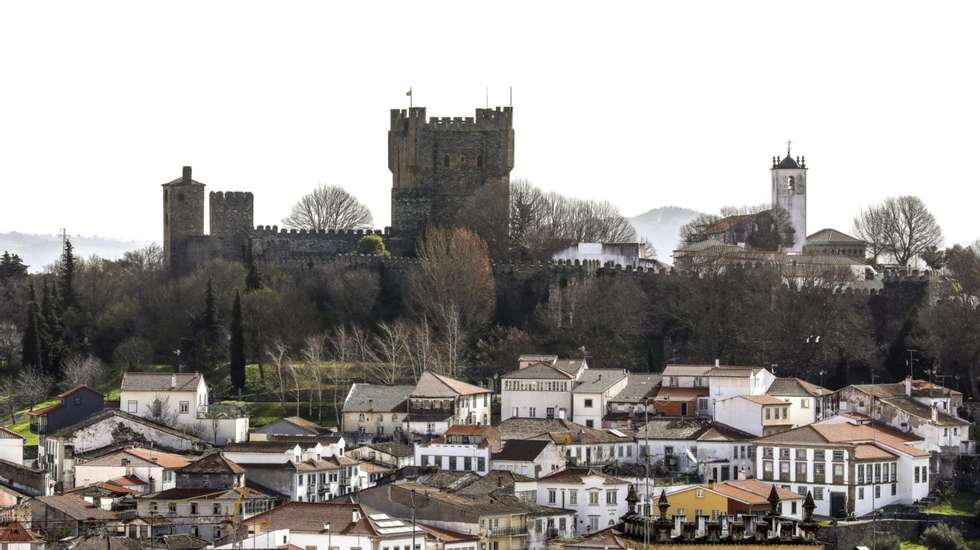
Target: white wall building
column 529, row 457
column 726, row 381
column 592, row 392
column 461, row 449
column 755, row 414
column 541, row 387
column 849, row 466
column 154, row 467
column 599, row 500
column 11, row 446
column 809, row 403
column 179, row 400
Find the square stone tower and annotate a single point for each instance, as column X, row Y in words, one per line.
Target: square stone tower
column 789, row 193
column 183, row 217
column 438, row 164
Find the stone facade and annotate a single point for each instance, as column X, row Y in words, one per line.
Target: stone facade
column 437, row 166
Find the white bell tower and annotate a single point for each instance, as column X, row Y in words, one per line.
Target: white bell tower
column 789, row 193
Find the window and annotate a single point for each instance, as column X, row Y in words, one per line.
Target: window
column 517, row 411
column 172, row 508
column 452, row 462
column 216, row 510
column 550, row 412
column 877, row 473
column 860, row 493
column 838, row 456
column 838, row 473
column 801, row 471
column 820, row 472
column 588, row 403
column 154, row 507
column 700, row 492
column 611, row 496
column 467, row 463
column 767, row 470
column 894, row 488
column 768, row 413
column 784, row 470
column 131, row 406
column 593, row 498
column 185, row 407
column 195, row 531
column 593, row 523
column 589, row 424
column 819, row 455
column 573, row 497
column 877, row 491
column 481, row 463
column 683, row 409
column 767, row 452
column 818, row 493
column 783, row 454
column 916, row 474
column 194, row 508
column 800, row 454
column 805, row 404
column 532, row 412
column 860, row 479
column 551, row 496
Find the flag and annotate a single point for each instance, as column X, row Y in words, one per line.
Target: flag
column 409, row 92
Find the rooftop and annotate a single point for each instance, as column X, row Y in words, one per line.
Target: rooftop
column 674, row 428
column 923, row 411
column 160, row 381
column 794, row 387
column 841, row 430
column 638, row 388
column 578, row 475
column 377, row 398
column 598, row 380
column 753, row 491
column 393, row 448
column 77, row 508
column 687, row 370
column 431, row 384
column 213, row 463
column 828, row 235
column 523, row 450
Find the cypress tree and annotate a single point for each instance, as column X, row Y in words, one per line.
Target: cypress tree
column 51, row 333
column 66, row 277
column 253, row 280
column 209, row 350
column 236, row 351
column 30, row 353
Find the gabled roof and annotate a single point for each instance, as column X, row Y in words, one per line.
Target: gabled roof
column 521, row 450
column 6, row 433
column 539, row 371
column 731, row 371
column 393, row 448
column 562, row 432
column 160, row 381
column 377, row 398
column 761, row 399
column 830, row 432
column 674, row 428
column 828, row 235
column 724, row 432
column 189, row 493
column 310, row 517
column 923, row 411
column 578, row 475
column 14, row 532
column 77, row 507
column 687, row 370
column 598, row 380
column 753, row 491
column 77, row 388
column 794, row 387
column 431, row 384
column 213, row 463
column 141, row 456
column 638, row 388
column 308, row 426
column 108, row 413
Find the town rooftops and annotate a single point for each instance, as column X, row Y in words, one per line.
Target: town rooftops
column 752, row 491
column 794, row 387
column 6, row 433
column 578, row 475
column 109, row 413
column 638, row 388
column 392, row 448
column 674, row 428
column 521, row 450
column 138, row 456
column 923, row 411
column 828, row 235
column 598, row 380
column 833, row 432
column 377, row 398
column 431, row 384
column 760, row 399
column 562, row 432
column 670, row 393
column 161, row 381
column 731, row 371
column 213, row 463
column 919, row 388
column 77, row 508
column 308, row 426
column 687, row 370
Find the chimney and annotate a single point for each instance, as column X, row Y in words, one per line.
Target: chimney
column 186, row 178
column 717, row 362
column 908, row 386
column 355, row 514
column 173, row 380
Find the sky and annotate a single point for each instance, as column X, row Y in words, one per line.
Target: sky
column 643, row 104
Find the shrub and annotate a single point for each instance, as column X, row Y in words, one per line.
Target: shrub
column 943, row 537
column 372, row 245
column 888, row 542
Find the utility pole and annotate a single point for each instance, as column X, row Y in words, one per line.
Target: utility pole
column 646, row 481
column 413, row 519
column 911, row 361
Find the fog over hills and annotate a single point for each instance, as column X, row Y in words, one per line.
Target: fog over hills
column 40, row 251
column 661, row 228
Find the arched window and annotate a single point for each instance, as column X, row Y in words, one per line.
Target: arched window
column 445, row 161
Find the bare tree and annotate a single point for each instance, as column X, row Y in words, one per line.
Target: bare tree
column 10, row 397
column 388, row 356
column 870, row 225
column 10, row 342
column 160, row 411
column 33, row 385
column 328, row 207
column 342, row 345
column 83, row 371
column 910, row 228
column 313, row 349
column 453, row 343
column 692, row 230
column 279, row 355
column 422, row 352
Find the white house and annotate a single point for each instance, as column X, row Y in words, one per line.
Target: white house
column 580, row 445
column 438, row 402
column 462, row 448
column 599, row 500
column 729, row 381
column 592, row 393
column 716, row 451
column 11, row 446
column 180, row 400
column 281, row 449
column 375, row 409
column 809, row 403
column 391, row 454
column 528, row 457
column 541, row 387
column 850, row 466
column 624, row 254
column 755, row 414
column 306, row 472
column 156, row 468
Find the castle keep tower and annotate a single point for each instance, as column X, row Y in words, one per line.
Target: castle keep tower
column 231, row 220
column 438, row 164
column 183, row 217
column 789, row 193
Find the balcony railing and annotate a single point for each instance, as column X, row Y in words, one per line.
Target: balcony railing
column 507, row 531
column 39, row 425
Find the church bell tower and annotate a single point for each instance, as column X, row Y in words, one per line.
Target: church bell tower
column 789, row 193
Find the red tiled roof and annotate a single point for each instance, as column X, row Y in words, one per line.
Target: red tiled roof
column 74, row 389
column 14, row 532
column 167, row 460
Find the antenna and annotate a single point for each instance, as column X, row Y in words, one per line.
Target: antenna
column 64, row 235
column 510, row 102
column 487, row 91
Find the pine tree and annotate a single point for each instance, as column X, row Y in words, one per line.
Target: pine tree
column 236, row 351
column 11, row 266
column 66, row 277
column 209, row 350
column 51, row 331
column 31, row 354
column 253, row 280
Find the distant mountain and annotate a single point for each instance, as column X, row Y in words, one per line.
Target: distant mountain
column 40, row 251
column 661, row 227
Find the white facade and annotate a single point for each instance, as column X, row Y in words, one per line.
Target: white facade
column 757, row 415
column 157, row 477
column 11, row 447
column 721, row 386
column 550, row 460
column 281, row 538
column 588, row 407
column 789, row 193
column 536, row 399
column 454, row 457
column 598, row 503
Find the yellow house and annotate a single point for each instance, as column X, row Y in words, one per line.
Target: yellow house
column 697, row 501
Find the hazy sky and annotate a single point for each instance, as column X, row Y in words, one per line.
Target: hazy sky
column 644, row 104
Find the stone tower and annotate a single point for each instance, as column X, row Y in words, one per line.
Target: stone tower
column 183, row 218
column 439, row 163
column 789, row 193
column 231, row 218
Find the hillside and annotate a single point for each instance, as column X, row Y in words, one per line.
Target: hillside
column 39, row 251
column 661, row 228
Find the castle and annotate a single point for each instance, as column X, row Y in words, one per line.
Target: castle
column 437, row 166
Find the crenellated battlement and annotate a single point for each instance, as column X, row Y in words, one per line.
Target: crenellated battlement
column 276, row 231
column 485, row 119
column 231, row 196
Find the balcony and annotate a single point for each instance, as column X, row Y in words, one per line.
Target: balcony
column 39, row 425
column 507, row 531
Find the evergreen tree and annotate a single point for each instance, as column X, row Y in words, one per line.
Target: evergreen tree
column 31, row 353
column 51, row 333
column 208, row 350
column 66, row 277
column 236, row 351
column 253, row 280
column 11, row 266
